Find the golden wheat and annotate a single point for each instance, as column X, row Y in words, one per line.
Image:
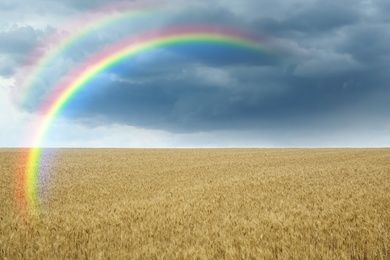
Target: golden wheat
column 203, row 203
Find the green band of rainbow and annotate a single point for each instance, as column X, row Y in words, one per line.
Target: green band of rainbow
column 101, row 62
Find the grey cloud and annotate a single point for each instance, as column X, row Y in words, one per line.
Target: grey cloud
column 369, row 44
column 96, row 4
column 192, row 103
column 383, row 5
column 322, row 63
column 7, row 66
column 39, row 4
column 336, row 66
column 16, row 44
column 7, row 5
column 210, row 13
column 19, row 39
column 85, row 4
column 322, row 17
column 311, row 19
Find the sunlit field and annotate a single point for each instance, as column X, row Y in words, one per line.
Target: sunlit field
column 203, row 203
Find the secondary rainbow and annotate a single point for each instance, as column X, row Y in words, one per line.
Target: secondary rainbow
column 74, row 32
column 104, row 60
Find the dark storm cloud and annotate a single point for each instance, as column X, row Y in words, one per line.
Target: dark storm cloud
column 315, row 20
column 322, row 17
column 335, row 63
column 186, row 101
column 369, row 44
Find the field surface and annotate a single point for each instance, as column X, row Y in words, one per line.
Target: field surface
column 202, row 203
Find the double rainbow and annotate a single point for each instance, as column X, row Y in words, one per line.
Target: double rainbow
column 29, row 200
column 74, row 32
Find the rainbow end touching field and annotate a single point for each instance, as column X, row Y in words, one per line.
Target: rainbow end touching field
column 67, row 89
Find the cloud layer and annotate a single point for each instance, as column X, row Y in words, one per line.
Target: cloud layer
column 335, row 76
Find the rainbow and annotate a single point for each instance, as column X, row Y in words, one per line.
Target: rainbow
column 87, row 24
column 68, row 88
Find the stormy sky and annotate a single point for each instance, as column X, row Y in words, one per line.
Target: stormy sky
column 327, row 87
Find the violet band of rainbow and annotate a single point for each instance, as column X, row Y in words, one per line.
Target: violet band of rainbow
column 104, row 60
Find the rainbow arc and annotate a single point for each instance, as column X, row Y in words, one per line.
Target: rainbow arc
column 126, row 49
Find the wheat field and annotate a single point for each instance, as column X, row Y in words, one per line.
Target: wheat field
column 202, row 204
